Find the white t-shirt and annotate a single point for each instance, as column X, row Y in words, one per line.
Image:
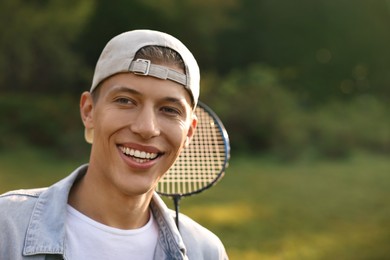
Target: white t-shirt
column 88, row 239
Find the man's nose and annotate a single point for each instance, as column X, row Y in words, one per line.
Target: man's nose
column 145, row 123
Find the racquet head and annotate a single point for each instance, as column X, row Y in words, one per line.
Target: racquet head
column 202, row 164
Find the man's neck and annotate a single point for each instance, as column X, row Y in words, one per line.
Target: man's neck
column 109, row 207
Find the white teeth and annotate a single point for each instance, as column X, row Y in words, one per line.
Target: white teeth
column 138, row 154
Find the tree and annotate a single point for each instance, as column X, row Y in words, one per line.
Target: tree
column 36, row 44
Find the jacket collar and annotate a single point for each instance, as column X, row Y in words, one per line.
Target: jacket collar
column 46, row 230
column 170, row 239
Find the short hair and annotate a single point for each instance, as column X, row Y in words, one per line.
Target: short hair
column 160, row 55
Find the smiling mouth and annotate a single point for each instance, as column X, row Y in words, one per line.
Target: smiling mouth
column 137, row 155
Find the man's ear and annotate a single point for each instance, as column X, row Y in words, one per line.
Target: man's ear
column 86, row 112
column 191, row 130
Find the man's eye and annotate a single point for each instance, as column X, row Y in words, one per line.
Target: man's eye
column 124, row 101
column 171, row 110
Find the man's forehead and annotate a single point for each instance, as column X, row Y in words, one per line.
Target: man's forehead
column 134, row 84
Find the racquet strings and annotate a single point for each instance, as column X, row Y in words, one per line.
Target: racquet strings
column 202, row 163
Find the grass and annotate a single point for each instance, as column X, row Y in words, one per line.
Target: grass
column 302, row 210
column 263, row 209
column 29, row 168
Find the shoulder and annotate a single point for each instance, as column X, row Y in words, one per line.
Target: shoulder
column 15, row 203
column 16, row 208
column 18, row 203
column 19, row 196
column 200, row 242
column 28, row 193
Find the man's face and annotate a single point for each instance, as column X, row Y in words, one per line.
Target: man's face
column 140, row 126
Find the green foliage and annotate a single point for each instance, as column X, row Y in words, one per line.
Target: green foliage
column 325, row 45
column 253, row 106
column 338, row 128
column 47, row 122
column 36, row 44
column 327, row 49
column 321, row 88
column 261, row 115
column 196, row 23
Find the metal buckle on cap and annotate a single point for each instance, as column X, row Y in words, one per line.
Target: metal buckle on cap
column 140, row 64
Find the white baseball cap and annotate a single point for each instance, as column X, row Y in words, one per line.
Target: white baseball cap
column 118, row 56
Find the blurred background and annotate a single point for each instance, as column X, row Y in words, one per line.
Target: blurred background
column 302, row 87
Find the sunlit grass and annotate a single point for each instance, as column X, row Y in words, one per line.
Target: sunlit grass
column 264, row 209
column 302, row 210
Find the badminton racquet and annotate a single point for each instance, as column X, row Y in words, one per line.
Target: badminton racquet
column 202, row 164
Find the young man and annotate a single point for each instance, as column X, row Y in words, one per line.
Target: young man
column 138, row 116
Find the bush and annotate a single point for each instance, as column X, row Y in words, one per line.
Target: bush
column 362, row 123
column 259, row 114
column 263, row 116
column 49, row 122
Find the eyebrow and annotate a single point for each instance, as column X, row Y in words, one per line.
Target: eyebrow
column 117, row 89
column 124, row 89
